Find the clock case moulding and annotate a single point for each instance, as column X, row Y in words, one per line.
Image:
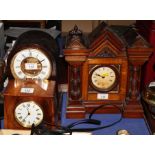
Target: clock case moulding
column 48, row 99
column 118, row 46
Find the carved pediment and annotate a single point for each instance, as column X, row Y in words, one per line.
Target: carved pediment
column 105, row 50
column 75, row 39
column 106, row 53
column 75, row 43
column 140, row 42
column 107, row 44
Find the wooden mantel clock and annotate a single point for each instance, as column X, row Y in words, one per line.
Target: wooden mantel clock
column 105, row 68
column 30, row 96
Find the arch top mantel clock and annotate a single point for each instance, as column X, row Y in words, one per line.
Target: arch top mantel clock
column 31, row 94
column 104, row 67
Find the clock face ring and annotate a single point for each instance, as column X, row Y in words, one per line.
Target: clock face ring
column 31, row 63
column 28, row 113
column 31, row 66
column 104, row 78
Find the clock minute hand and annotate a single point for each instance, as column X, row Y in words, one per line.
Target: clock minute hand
column 42, row 60
column 27, row 114
column 100, row 76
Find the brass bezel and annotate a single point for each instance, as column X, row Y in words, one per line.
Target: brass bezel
column 106, row 89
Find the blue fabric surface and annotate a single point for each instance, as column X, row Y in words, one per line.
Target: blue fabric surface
column 134, row 126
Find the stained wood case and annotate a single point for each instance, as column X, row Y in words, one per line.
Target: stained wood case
column 119, row 48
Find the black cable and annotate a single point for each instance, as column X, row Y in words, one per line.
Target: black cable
column 61, row 130
column 84, row 121
column 42, row 129
column 91, row 114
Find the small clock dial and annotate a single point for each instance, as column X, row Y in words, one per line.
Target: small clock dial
column 28, row 113
column 31, row 63
column 104, row 78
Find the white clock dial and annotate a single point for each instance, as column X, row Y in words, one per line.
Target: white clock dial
column 28, row 113
column 31, row 63
column 103, row 77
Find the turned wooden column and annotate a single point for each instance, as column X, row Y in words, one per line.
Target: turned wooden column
column 137, row 57
column 74, row 83
column 135, row 78
column 75, row 54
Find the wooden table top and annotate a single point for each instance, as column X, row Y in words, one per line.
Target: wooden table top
column 12, row 132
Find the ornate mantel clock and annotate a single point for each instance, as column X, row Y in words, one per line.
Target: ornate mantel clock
column 30, row 96
column 107, row 70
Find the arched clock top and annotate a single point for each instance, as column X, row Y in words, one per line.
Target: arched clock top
column 34, row 56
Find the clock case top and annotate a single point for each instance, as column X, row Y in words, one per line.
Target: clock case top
column 38, row 40
column 106, row 45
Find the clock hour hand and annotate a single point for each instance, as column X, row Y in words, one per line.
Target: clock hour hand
column 26, row 117
column 100, row 76
column 27, row 114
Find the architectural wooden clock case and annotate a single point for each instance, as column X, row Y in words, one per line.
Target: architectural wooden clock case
column 105, row 68
column 31, row 94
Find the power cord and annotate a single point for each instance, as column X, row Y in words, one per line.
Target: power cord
column 43, row 129
column 60, row 130
column 90, row 118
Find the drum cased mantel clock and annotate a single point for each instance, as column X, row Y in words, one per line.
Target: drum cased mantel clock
column 30, row 96
column 100, row 70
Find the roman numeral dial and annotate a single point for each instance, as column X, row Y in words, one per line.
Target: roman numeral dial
column 31, row 63
column 28, row 113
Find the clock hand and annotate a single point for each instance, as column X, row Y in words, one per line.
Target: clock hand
column 26, row 116
column 42, row 60
column 100, row 76
column 28, row 110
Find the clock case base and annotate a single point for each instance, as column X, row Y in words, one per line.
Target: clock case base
column 129, row 111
